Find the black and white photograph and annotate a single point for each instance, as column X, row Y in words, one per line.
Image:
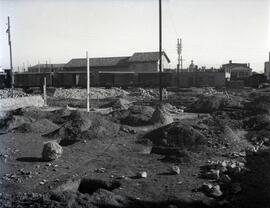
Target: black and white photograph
column 135, row 103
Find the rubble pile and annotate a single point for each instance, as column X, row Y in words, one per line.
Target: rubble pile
column 82, row 126
column 7, row 93
column 177, row 135
column 42, row 126
column 119, row 103
column 210, row 91
column 222, row 174
column 95, row 93
column 137, row 115
column 208, row 104
column 150, row 93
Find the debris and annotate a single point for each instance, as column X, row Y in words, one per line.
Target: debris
column 7, row 93
column 142, row 174
column 225, row 178
column 236, row 188
column 213, row 174
column 136, row 115
column 128, row 130
column 43, row 182
column 51, row 151
column 100, row 170
column 95, row 93
column 175, row 169
column 215, row 191
column 208, row 104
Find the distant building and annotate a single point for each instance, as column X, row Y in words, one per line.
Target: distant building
column 138, row 62
column 267, row 69
column 238, row 71
column 41, row 68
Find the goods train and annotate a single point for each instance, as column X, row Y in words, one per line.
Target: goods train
column 101, row 79
column 77, row 79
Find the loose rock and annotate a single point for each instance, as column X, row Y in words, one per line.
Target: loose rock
column 51, row 151
column 175, row 170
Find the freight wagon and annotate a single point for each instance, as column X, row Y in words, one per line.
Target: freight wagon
column 119, row 79
column 28, row 79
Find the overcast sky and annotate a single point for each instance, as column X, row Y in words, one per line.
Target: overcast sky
column 213, row 31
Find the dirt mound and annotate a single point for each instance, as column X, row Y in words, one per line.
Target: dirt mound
column 83, row 125
column 177, row 135
column 258, row 122
column 137, row 115
column 43, row 126
column 260, row 104
column 17, row 121
column 119, row 103
column 208, row 104
column 161, row 115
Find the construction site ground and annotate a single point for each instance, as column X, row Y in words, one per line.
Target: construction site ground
column 234, row 125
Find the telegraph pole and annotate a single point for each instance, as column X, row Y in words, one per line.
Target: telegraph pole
column 10, row 57
column 179, row 64
column 160, row 50
column 88, row 82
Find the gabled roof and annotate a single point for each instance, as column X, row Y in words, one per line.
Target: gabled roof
column 98, row 62
column 44, row 66
column 146, row 57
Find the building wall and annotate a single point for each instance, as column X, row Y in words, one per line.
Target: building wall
column 143, row 67
column 149, row 66
column 240, row 72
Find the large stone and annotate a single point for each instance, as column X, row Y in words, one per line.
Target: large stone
column 161, row 115
column 215, row 191
column 51, row 151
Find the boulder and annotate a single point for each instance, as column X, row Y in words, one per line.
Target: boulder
column 161, row 115
column 51, row 151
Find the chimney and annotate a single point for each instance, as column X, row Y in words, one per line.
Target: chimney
column 248, row 65
column 230, row 61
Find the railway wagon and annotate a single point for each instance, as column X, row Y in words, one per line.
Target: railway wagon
column 151, row 79
column 72, row 79
column 30, row 79
column 117, row 79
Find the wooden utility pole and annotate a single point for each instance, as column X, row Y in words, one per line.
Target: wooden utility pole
column 45, row 91
column 179, row 64
column 160, row 50
column 10, row 57
column 88, row 82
